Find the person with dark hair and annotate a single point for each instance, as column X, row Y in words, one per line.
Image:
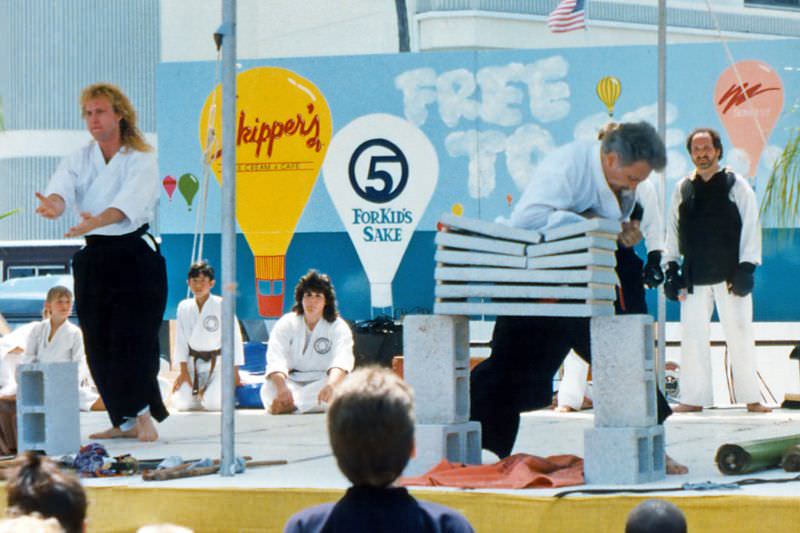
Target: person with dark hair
column 714, row 227
column 310, row 350
column 120, row 276
column 198, row 342
column 39, row 486
column 656, row 516
column 374, row 406
column 579, row 180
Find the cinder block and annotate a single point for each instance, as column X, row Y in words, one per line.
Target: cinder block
column 519, row 292
column 481, row 244
column 48, row 415
column 583, row 242
column 523, row 309
column 623, row 373
column 623, row 456
column 436, row 365
column 456, row 257
column 458, row 443
column 490, row 229
column 591, row 274
column 599, row 226
column 592, row 257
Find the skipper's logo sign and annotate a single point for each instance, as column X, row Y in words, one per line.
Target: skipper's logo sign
column 282, row 133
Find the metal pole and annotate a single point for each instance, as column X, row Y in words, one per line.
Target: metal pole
column 228, row 210
column 662, row 131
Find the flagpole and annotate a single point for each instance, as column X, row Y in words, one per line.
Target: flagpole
column 662, row 131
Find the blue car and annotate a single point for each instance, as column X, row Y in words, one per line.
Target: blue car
column 22, row 299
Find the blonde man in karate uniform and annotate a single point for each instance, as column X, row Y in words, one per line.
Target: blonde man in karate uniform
column 310, row 350
column 197, row 345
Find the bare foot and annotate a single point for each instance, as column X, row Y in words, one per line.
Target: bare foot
column 756, row 407
column 145, row 429
column 587, row 403
column 686, row 408
column 114, row 433
column 566, row 409
column 673, row 467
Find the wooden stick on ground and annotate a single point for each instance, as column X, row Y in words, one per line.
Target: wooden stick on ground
column 180, row 472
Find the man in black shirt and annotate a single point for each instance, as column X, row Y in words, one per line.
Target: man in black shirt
column 714, row 227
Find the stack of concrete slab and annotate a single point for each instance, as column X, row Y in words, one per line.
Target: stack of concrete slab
column 485, row 268
column 626, row 444
column 48, row 412
column 436, row 365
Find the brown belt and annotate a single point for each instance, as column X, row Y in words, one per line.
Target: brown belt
column 203, row 356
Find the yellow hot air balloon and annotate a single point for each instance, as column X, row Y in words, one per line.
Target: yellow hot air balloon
column 283, row 128
column 608, row 90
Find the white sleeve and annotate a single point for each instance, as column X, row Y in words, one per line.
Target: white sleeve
column 548, row 199
column 139, row 191
column 32, row 344
column 279, row 345
column 672, row 252
column 238, row 344
column 181, row 352
column 342, row 346
column 64, row 179
column 750, row 239
column 651, row 225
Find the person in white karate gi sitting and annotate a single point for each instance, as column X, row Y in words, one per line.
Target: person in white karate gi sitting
column 310, row 350
column 198, row 341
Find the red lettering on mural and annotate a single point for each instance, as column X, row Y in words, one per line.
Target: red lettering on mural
column 264, row 133
column 736, row 97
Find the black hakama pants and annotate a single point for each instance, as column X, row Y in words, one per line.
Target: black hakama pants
column 120, row 297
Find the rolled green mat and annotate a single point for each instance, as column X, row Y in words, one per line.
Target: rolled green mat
column 791, row 459
column 751, row 456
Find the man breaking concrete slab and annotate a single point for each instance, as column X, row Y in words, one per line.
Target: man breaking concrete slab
column 580, row 180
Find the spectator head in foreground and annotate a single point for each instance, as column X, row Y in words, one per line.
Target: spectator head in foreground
column 39, row 487
column 656, row 516
column 371, row 426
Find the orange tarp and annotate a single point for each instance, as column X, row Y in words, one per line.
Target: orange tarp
column 518, row 471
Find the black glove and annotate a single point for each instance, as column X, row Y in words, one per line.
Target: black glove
column 674, row 281
column 652, row 275
column 742, row 283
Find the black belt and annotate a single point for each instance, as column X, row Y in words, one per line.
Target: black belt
column 203, row 356
column 135, row 234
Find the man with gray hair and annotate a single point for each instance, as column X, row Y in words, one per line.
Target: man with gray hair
column 580, row 180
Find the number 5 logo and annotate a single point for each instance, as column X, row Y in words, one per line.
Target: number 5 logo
column 378, row 171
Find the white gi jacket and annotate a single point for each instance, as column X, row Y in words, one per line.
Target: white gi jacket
column 330, row 345
column 745, row 199
column 567, row 187
column 65, row 346
column 202, row 330
column 129, row 182
column 651, row 226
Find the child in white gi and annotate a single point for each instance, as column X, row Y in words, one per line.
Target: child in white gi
column 197, row 345
column 310, row 350
column 53, row 340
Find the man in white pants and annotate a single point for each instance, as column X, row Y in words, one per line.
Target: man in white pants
column 714, row 226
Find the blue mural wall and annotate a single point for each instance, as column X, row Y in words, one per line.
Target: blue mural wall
column 490, row 116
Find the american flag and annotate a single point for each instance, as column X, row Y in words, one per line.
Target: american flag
column 567, row 16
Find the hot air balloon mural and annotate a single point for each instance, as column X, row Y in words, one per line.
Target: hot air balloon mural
column 169, row 183
column 748, row 99
column 608, row 90
column 188, row 185
column 283, row 131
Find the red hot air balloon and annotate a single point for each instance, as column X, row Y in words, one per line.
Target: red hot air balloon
column 169, row 184
column 746, row 102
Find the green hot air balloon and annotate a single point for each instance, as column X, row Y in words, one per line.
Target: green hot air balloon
column 188, row 184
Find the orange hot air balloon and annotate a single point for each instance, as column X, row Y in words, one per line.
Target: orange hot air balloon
column 743, row 107
column 283, row 128
column 608, row 90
